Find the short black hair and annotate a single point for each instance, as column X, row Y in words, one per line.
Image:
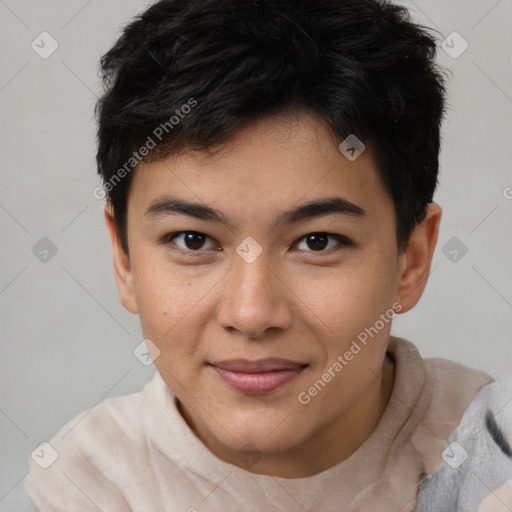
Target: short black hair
column 189, row 74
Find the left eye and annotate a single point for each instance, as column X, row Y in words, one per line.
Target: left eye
column 318, row 242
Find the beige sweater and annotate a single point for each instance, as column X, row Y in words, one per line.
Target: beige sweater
column 136, row 453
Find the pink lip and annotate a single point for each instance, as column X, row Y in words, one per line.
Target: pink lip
column 255, row 377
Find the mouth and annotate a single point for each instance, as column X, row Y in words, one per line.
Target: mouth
column 257, row 377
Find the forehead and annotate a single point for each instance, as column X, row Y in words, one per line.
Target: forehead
column 268, row 167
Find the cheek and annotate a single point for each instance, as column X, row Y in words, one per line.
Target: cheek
column 163, row 296
column 174, row 305
column 162, row 288
column 349, row 298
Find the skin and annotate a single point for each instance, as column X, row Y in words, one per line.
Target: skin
column 295, row 301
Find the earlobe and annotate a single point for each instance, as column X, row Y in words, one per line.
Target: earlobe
column 416, row 261
column 122, row 268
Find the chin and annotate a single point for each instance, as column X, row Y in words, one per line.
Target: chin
column 273, row 434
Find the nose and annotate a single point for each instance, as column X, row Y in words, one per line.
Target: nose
column 255, row 300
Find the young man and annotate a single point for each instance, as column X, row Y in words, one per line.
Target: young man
column 270, row 167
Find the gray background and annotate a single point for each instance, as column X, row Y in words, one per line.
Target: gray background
column 68, row 343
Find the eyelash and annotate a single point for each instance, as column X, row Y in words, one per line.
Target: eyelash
column 345, row 242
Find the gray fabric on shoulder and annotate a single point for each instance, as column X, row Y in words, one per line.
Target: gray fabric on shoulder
column 477, row 461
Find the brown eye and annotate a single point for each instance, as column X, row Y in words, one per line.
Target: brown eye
column 191, row 241
column 194, row 241
column 318, row 242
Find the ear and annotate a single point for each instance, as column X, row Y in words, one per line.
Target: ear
column 415, row 262
column 122, row 269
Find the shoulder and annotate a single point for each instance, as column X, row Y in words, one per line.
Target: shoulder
column 86, row 459
column 477, row 457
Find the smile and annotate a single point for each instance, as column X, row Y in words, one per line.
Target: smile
column 256, row 377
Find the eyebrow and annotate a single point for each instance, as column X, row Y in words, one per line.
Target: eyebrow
column 168, row 205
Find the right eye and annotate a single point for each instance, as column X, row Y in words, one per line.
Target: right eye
column 191, row 241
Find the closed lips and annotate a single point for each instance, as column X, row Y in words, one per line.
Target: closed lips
column 257, row 377
column 260, row 366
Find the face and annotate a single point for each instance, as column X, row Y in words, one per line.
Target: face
column 251, row 296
